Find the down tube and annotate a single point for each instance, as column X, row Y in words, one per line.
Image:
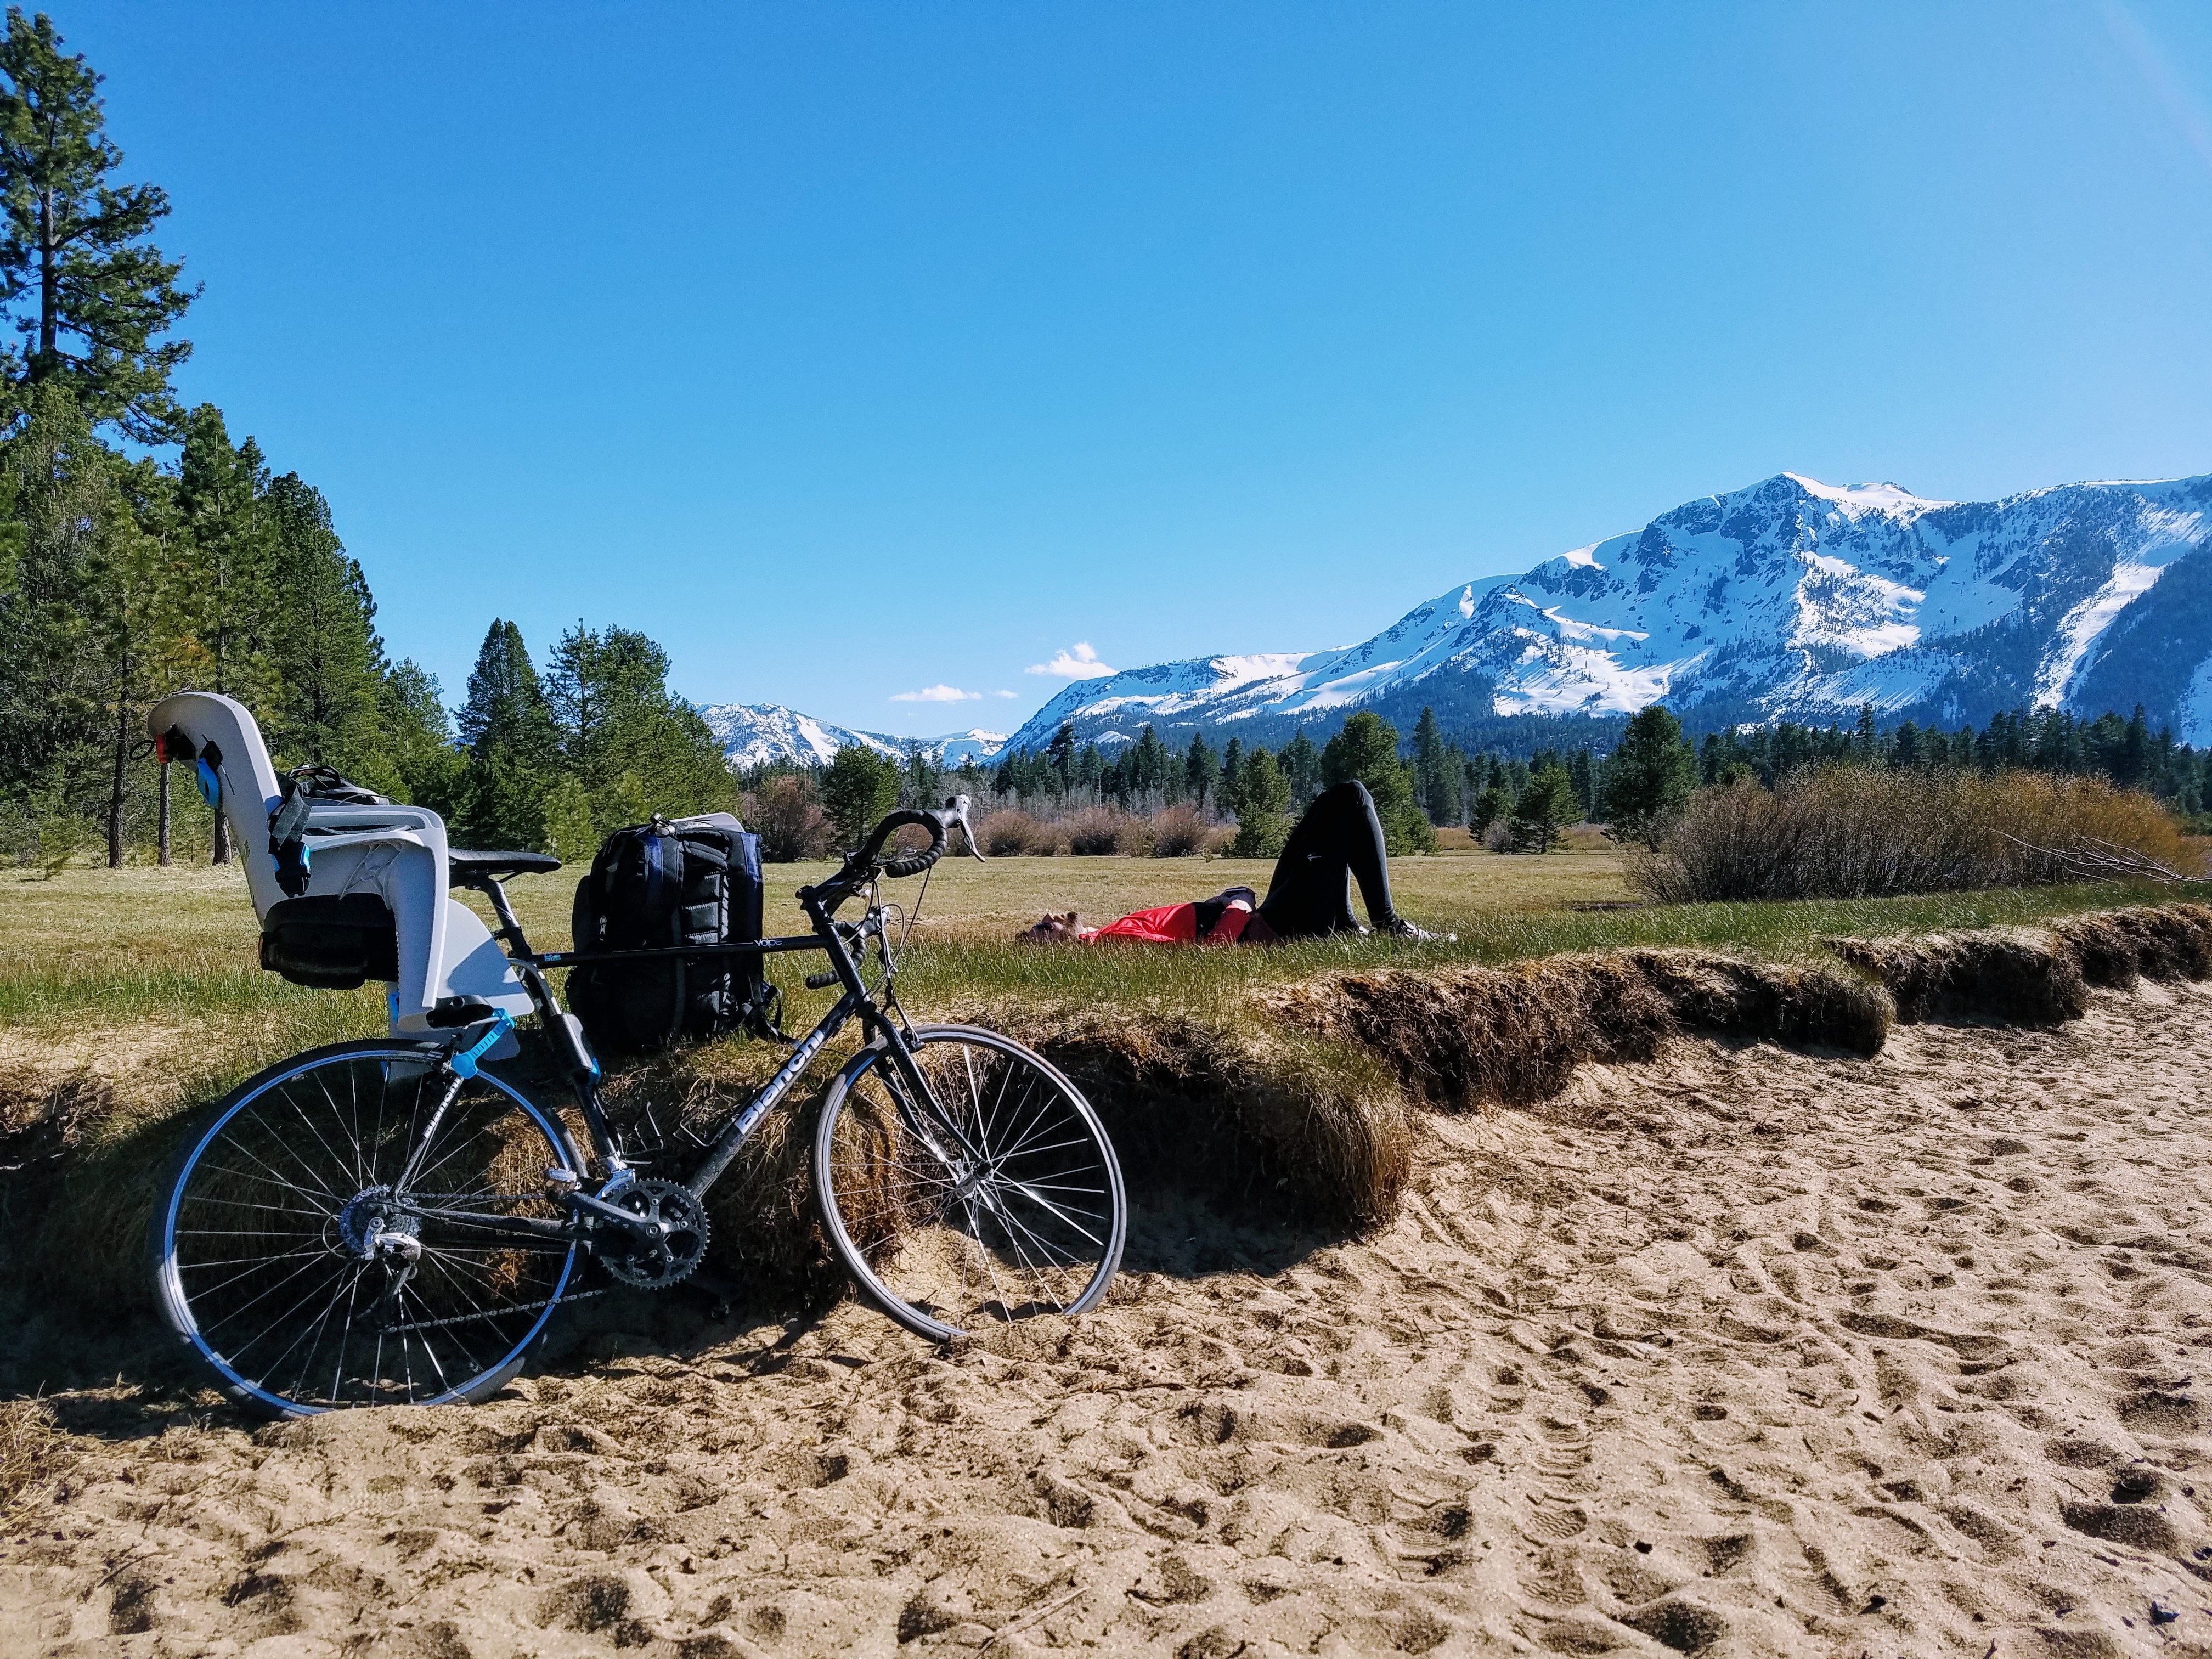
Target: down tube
column 741, row 1129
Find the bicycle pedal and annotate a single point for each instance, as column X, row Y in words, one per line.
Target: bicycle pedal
column 562, row 1181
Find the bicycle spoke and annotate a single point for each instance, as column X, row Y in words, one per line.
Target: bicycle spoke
column 280, row 1236
column 992, row 1196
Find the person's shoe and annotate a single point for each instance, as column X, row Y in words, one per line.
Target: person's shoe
column 1398, row 928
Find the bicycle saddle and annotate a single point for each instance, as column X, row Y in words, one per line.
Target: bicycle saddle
column 462, row 865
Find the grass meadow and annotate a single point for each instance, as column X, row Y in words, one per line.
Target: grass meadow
column 148, row 979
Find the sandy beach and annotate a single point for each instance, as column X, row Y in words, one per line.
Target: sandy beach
column 1742, row 1352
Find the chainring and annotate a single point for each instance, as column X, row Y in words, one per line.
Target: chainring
column 655, row 1264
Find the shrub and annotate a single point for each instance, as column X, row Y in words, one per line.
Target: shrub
column 1007, row 834
column 1177, row 833
column 790, row 820
column 1099, row 832
column 1848, row 833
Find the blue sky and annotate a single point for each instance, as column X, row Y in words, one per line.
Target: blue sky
column 851, row 350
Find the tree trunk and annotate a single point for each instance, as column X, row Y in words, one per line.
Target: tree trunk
column 48, row 296
column 222, row 835
column 162, row 831
column 115, row 794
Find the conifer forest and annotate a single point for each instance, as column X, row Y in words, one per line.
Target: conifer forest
column 148, row 546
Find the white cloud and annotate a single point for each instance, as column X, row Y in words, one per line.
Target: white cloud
column 1081, row 663
column 937, row 694
column 1002, row 694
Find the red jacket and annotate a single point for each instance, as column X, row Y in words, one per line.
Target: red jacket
column 1172, row 924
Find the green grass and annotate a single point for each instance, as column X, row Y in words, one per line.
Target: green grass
column 1073, row 976
column 174, row 950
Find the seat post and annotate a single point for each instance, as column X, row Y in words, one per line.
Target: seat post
column 510, row 929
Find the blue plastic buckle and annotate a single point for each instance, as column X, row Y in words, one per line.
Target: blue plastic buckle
column 210, row 784
column 464, row 1064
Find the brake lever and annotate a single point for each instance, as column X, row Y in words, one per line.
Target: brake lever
column 956, row 811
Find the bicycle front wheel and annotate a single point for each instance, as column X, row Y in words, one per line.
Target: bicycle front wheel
column 993, row 1195
column 334, row 1238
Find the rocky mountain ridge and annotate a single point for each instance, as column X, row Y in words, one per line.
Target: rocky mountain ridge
column 754, row 733
column 1788, row 599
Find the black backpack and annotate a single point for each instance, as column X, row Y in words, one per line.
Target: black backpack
column 688, row 881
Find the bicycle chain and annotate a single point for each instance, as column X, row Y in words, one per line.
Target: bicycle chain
column 527, row 1306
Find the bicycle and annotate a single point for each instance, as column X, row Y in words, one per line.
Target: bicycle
column 396, row 1221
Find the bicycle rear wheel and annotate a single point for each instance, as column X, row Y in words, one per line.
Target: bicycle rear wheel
column 996, row 1196
column 301, row 1271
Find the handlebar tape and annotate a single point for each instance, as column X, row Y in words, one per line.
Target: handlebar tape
column 909, row 864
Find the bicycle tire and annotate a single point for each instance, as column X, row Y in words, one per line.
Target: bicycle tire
column 258, row 1216
column 946, row 1251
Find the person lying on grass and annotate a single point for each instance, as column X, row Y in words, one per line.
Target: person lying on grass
column 1339, row 840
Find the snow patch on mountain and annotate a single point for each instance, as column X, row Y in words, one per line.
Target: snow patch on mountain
column 755, row 733
column 1791, row 598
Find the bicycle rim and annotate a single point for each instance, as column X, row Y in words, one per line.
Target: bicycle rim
column 999, row 1198
column 267, row 1246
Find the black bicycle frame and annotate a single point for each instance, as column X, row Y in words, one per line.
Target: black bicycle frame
column 583, row 1074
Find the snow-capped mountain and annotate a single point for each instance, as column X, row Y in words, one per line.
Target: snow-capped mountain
column 752, row 733
column 1790, row 598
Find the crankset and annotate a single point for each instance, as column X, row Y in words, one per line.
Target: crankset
column 668, row 1254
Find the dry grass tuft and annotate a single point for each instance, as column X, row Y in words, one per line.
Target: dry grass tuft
column 2115, row 948
column 2013, row 974
column 1850, row 833
column 1314, row 1133
column 2034, row 976
column 33, row 1449
column 42, row 1122
column 1457, row 1037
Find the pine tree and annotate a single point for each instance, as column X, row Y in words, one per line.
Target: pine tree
column 924, row 778
column 1225, row 788
column 128, row 589
column 1300, row 763
column 226, row 588
column 54, row 685
column 1546, row 806
column 1649, row 778
column 322, row 643
column 1366, row 748
column 1435, row 780
column 421, row 764
column 1060, row 753
column 636, row 748
column 858, row 787
column 506, row 727
column 1493, row 805
column 1200, row 767
column 1263, row 804
column 87, row 289
column 1148, row 762
column 507, row 706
